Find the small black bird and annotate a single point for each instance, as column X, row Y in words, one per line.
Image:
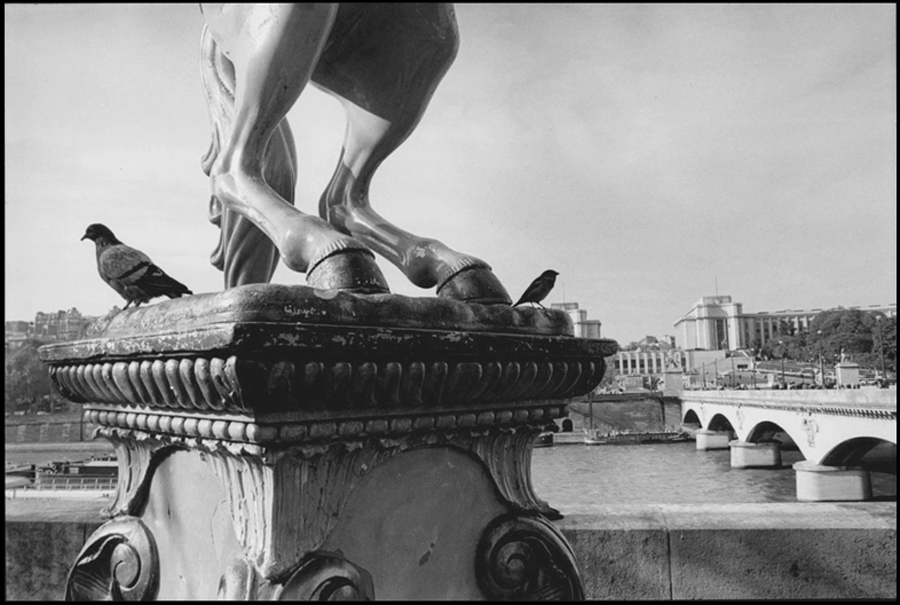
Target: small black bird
column 539, row 288
column 130, row 272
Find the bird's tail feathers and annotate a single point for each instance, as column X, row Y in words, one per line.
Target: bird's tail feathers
column 179, row 294
column 156, row 283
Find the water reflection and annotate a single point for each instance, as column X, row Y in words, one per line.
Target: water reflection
column 571, row 477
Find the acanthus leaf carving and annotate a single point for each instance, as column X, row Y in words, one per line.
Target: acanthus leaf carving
column 138, row 455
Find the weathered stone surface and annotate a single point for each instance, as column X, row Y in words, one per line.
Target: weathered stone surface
column 623, row 564
column 303, row 305
column 247, row 423
column 817, row 483
column 746, row 454
column 243, row 352
column 783, row 564
column 772, row 551
column 39, row 554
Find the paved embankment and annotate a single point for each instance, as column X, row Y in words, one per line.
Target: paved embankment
column 730, row 551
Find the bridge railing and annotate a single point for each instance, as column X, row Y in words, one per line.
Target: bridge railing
column 882, row 401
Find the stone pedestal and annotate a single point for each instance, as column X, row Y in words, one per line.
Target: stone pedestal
column 281, row 442
column 817, row 483
column 712, row 440
column 673, row 382
column 745, row 454
column 847, row 375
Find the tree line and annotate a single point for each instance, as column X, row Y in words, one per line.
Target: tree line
column 27, row 384
column 862, row 336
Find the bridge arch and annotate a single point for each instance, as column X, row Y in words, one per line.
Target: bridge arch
column 720, row 423
column 767, row 430
column 691, row 417
column 851, row 452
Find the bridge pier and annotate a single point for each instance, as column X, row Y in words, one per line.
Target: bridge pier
column 817, row 483
column 712, row 440
column 746, row 454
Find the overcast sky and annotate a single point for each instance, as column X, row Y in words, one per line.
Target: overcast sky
column 652, row 154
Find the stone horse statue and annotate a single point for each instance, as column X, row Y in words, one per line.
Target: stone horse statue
column 383, row 62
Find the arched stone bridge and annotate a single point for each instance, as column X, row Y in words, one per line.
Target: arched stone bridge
column 833, row 429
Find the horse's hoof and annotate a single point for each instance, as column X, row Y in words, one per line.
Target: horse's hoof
column 476, row 284
column 351, row 270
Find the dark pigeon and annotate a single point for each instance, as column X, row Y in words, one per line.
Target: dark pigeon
column 539, row 288
column 130, row 272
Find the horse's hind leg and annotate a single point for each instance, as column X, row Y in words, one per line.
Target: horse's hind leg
column 385, row 82
column 273, row 49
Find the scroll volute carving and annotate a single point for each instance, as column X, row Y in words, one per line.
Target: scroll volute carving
column 524, row 557
column 120, row 562
column 325, row 576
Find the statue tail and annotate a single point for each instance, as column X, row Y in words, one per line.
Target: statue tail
column 218, row 84
column 244, row 253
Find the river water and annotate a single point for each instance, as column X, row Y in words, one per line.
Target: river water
column 574, row 478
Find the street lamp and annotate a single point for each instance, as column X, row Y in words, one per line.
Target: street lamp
column 881, row 342
column 821, row 357
column 781, row 348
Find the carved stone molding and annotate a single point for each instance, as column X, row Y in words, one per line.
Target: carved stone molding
column 300, row 491
column 119, row 562
column 181, row 426
column 272, row 349
column 234, row 385
column 137, row 456
column 507, row 455
column 320, row 576
column 524, row 557
column 326, row 576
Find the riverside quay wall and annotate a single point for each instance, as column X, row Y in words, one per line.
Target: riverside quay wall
column 52, row 428
column 660, row 552
column 646, row 411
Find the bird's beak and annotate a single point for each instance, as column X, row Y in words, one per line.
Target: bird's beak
column 83, row 237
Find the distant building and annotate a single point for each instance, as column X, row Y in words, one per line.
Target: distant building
column 716, row 323
column 709, row 338
column 584, row 327
column 62, row 325
column 654, row 363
